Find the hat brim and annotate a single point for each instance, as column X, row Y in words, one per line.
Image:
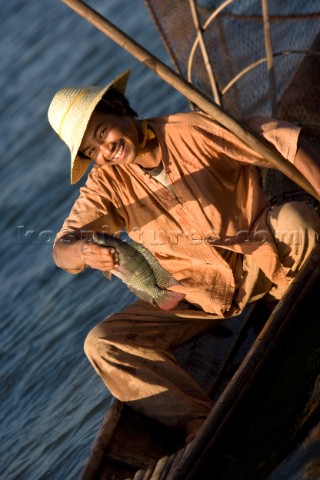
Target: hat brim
column 80, row 165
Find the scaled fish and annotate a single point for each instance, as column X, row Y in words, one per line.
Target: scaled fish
column 141, row 272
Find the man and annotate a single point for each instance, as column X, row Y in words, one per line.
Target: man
column 188, row 190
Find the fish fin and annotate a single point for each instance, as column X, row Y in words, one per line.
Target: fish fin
column 142, row 295
column 169, row 300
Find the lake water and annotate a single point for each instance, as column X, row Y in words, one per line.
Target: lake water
column 52, row 402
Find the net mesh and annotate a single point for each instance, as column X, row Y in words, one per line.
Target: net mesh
column 239, row 42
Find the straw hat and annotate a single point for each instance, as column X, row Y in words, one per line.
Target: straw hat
column 69, row 114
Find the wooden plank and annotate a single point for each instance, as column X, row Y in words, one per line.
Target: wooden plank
column 140, row 441
column 102, row 440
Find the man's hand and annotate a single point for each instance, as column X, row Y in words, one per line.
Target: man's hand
column 100, row 258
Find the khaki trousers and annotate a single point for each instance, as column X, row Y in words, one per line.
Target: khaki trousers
column 131, row 350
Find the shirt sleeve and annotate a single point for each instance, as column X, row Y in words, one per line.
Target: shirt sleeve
column 282, row 135
column 92, row 211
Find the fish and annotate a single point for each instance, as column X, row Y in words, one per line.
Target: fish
column 141, row 272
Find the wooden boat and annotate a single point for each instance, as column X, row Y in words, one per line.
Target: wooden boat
column 264, row 401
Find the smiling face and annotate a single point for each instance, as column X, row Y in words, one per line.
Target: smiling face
column 111, row 139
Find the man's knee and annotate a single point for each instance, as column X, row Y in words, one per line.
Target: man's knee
column 295, row 227
column 90, row 343
column 103, row 340
column 294, row 223
column 97, row 340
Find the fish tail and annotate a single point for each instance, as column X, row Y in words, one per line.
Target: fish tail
column 169, row 300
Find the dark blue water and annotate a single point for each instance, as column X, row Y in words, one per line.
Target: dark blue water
column 52, row 402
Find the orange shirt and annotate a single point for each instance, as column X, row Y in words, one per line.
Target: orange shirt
column 215, row 201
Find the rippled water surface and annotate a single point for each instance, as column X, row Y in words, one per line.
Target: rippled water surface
column 52, row 402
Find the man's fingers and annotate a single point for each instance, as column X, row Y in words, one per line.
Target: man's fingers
column 98, row 257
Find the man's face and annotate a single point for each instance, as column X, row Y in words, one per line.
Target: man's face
column 111, row 139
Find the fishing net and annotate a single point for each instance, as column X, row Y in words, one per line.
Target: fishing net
column 262, row 57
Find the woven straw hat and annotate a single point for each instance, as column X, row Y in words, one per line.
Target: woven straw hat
column 69, row 114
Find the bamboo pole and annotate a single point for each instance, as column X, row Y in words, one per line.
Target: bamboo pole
column 204, row 27
column 191, row 92
column 264, row 59
column 204, row 51
column 269, row 54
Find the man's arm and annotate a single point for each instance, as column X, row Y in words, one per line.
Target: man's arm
column 91, row 212
column 290, row 142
